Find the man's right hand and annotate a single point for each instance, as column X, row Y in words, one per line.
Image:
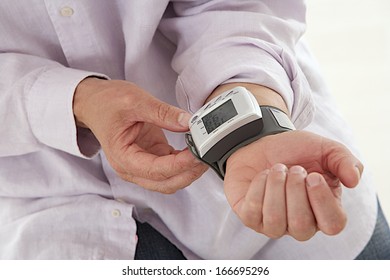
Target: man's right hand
column 128, row 123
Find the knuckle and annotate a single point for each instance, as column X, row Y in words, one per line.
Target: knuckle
column 248, row 222
column 302, row 228
column 301, row 223
column 191, row 177
column 127, row 98
column 304, row 236
column 167, row 189
column 180, row 165
column 142, row 174
column 177, row 182
column 275, row 233
column 150, row 172
column 249, row 218
column 188, row 178
column 251, row 223
column 334, row 227
column 276, row 225
column 163, row 111
column 274, row 219
column 126, row 177
column 154, row 175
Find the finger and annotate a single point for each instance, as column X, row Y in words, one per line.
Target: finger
column 331, row 218
column 143, row 164
column 274, row 208
column 169, row 185
column 161, row 114
column 301, row 221
column 342, row 163
column 250, row 209
column 161, row 149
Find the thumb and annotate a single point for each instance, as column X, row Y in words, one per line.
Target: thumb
column 343, row 164
column 164, row 115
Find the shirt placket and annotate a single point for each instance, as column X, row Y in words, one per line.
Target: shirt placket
column 80, row 44
column 75, row 34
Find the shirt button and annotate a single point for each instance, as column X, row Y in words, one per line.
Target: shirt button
column 116, row 213
column 66, row 12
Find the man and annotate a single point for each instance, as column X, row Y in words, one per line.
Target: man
column 87, row 75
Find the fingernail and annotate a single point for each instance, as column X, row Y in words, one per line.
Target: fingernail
column 265, row 172
column 313, row 180
column 279, row 167
column 183, row 119
column 358, row 170
column 297, row 170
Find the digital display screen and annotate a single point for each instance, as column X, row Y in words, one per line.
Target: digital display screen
column 219, row 116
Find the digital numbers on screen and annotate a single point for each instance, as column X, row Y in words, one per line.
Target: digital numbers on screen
column 218, row 116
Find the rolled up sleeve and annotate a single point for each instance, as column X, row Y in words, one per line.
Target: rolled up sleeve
column 243, row 41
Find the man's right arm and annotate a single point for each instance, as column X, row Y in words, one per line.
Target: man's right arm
column 128, row 123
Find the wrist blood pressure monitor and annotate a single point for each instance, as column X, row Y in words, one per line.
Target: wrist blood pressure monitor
column 230, row 121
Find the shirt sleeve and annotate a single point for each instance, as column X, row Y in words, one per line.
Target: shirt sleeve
column 37, row 107
column 239, row 41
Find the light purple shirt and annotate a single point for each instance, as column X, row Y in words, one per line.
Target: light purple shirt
column 60, row 199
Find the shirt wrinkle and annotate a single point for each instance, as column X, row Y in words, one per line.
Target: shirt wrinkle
column 45, row 214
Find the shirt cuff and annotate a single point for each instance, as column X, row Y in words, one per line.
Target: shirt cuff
column 254, row 61
column 50, row 112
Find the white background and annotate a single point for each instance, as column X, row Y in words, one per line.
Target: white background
column 351, row 40
column 215, row 270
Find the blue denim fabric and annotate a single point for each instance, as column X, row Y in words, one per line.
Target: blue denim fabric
column 378, row 248
column 153, row 246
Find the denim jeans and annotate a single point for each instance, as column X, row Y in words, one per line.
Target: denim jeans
column 378, row 248
column 153, row 246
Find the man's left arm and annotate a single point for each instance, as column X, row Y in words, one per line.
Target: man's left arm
column 221, row 44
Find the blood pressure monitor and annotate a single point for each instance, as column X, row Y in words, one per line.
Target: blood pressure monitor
column 230, row 121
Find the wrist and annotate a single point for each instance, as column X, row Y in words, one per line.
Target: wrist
column 264, row 96
column 81, row 99
column 231, row 120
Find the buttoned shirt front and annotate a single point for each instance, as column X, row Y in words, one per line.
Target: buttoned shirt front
column 59, row 197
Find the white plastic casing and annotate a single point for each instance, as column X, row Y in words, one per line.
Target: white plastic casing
column 245, row 105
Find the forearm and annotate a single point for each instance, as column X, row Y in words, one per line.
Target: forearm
column 258, row 50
